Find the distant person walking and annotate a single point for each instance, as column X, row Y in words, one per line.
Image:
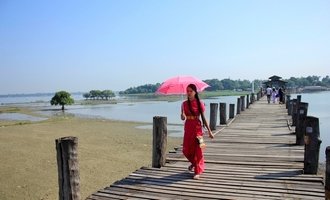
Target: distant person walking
column 280, row 96
column 268, row 93
column 193, row 143
column 274, row 95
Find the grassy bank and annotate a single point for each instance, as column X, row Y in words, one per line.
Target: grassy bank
column 205, row 94
column 108, row 151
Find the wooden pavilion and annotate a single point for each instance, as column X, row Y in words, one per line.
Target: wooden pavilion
column 275, row 81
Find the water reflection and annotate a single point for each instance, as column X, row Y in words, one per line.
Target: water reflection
column 172, row 130
column 20, row 117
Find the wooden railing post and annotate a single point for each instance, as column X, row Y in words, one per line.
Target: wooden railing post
column 252, row 98
column 231, row 111
column 300, row 127
column 290, row 107
column 294, row 112
column 159, row 141
column 238, row 110
column 68, row 168
column 258, row 96
column 242, row 103
column 287, row 101
column 213, row 115
column 247, row 100
column 223, row 113
column 327, row 174
column 297, row 108
column 312, row 145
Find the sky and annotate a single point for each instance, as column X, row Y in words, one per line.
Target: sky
column 47, row 46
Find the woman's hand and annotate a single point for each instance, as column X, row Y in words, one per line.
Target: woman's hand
column 183, row 116
column 211, row 134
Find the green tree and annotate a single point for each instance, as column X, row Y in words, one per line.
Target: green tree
column 87, row 95
column 229, row 84
column 95, row 94
column 147, row 88
column 107, row 94
column 62, row 98
column 326, row 81
column 214, row 84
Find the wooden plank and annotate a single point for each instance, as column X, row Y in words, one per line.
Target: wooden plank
column 244, row 189
column 253, row 157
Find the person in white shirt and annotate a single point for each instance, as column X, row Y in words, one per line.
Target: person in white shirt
column 268, row 93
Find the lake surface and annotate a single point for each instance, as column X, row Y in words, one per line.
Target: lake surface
column 20, row 117
column 319, row 106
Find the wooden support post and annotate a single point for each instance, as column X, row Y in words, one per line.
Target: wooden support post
column 300, row 127
column 231, row 111
column 252, row 98
column 258, row 96
column 327, row 174
column 238, row 110
column 68, row 168
column 213, row 115
column 312, row 145
column 294, row 112
column 223, row 113
column 287, row 101
column 159, row 141
column 247, row 100
column 261, row 92
column 290, row 107
column 242, row 103
column 297, row 108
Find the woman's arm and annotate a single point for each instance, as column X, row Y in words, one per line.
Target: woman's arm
column 183, row 116
column 207, row 126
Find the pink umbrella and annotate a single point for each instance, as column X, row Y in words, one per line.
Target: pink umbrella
column 178, row 85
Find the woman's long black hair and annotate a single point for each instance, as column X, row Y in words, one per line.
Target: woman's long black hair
column 194, row 88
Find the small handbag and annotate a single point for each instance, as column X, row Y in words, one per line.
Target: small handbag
column 201, row 142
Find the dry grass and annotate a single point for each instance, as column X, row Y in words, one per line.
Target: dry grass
column 108, row 151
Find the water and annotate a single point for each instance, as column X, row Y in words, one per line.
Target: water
column 141, row 111
column 20, row 117
column 32, row 98
column 319, row 106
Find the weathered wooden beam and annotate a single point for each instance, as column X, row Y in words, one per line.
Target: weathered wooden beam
column 288, row 98
column 213, row 115
column 68, row 168
column 258, row 96
column 327, row 174
column 297, row 108
column 238, row 110
column 300, row 124
column 294, row 112
column 159, row 141
column 247, row 101
column 231, row 111
column 242, row 103
column 223, row 113
column 290, row 105
column 252, row 98
column 312, row 145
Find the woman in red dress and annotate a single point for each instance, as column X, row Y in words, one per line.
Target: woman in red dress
column 193, row 144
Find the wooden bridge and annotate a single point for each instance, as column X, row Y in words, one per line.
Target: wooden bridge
column 255, row 157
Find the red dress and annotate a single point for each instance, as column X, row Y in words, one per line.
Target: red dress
column 192, row 129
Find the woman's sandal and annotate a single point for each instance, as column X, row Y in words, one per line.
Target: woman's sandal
column 197, row 176
column 190, row 168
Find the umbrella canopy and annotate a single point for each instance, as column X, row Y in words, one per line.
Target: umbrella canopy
column 178, row 85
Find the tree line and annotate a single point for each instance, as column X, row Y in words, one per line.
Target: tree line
column 147, row 88
column 308, row 81
column 98, row 94
column 228, row 84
